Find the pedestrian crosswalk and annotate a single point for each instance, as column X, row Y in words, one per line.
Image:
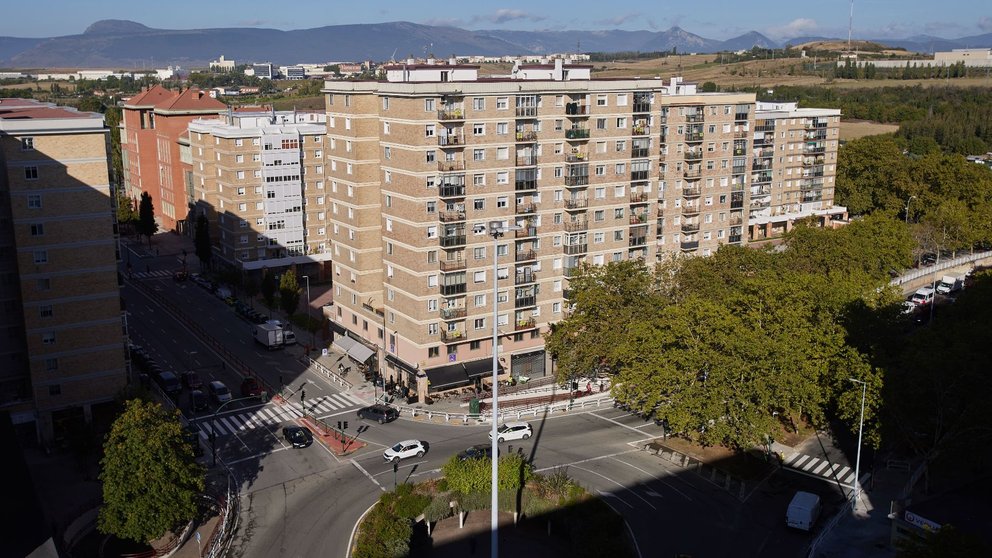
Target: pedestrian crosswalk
column 151, row 274
column 817, row 467
column 273, row 415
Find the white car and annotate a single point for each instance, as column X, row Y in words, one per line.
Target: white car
column 512, row 431
column 406, row 449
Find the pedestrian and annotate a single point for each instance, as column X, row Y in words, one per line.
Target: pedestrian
column 588, row 387
column 601, row 386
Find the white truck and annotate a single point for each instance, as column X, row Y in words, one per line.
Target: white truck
column 803, row 511
column 949, row 284
column 269, row 335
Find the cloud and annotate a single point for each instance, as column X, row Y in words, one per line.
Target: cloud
column 795, row 28
column 985, row 24
column 505, row 15
column 619, row 20
column 443, row 22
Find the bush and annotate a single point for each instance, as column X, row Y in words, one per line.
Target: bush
column 475, row 475
column 438, row 509
column 383, row 535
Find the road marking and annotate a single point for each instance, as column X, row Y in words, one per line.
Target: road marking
column 620, row 485
column 612, row 495
column 370, row 477
column 617, row 423
column 257, row 455
column 584, row 461
column 345, row 412
column 657, row 478
column 402, row 467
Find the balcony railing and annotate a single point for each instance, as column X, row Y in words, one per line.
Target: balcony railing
column 525, row 232
column 578, row 225
column 814, row 149
column 690, row 227
column 690, row 210
column 526, row 112
column 452, row 336
column 636, row 241
column 638, row 197
column 695, row 117
column 639, row 152
column 577, row 180
column 453, row 313
column 523, row 301
column 452, row 241
column 734, row 239
column 736, row 220
column 577, row 133
column 638, row 219
column 739, row 116
column 450, row 140
column 526, row 136
column 453, row 289
column 451, row 114
column 693, row 172
column 526, row 255
column 691, row 192
column 576, row 158
column 576, row 109
column 451, row 216
column 450, row 166
column 526, row 185
column 575, row 249
column 742, row 134
column 640, row 130
column 694, row 137
column 524, row 278
column 524, row 324
column 526, row 160
column 448, row 266
column 694, row 155
column 570, row 272
column 526, row 209
column 452, row 191
column 689, row 245
column 577, row 203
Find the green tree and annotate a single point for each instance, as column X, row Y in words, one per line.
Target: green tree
column 289, row 293
column 201, row 241
column 146, row 217
column 149, row 475
column 112, row 118
column 947, row 542
column 126, row 216
column 269, row 288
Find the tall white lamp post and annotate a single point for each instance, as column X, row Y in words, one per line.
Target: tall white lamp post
column 857, row 462
column 313, row 340
column 911, row 198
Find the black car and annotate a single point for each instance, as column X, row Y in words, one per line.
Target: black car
column 198, row 400
column 192, row 380
column 191, row 434
column 381, row 413
column 478, row 451
column 169, row 382
column 298, row 436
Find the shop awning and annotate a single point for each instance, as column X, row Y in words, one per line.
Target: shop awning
column 400, row 364
column 458, row 374
column 360, row 353
column 344, row 343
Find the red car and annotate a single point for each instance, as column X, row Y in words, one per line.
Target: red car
column 251, row 387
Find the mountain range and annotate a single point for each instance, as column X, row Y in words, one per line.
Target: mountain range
column 128, row 44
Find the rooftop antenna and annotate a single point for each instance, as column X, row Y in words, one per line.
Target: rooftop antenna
column 392, row 57
column 850, row 24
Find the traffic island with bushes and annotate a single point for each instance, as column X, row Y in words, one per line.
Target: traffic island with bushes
column 567, row 519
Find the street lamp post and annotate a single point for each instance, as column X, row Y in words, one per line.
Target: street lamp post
column 313, row 340
column 911, row 198
column 933, row 301
column 857, row 462
column 213, row 421
column 496, row 230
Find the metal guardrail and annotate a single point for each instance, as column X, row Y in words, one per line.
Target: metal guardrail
column 932, row 270
column 516, row 413
column 326, row 372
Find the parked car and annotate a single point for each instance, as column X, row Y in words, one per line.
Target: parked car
column 198, row 400
column 169, row 382
column 406, row 449
column 298, row 436
column 923, row 296
column 251, row 387
column 288, row 337
column 179, row 276
column 512, row 431
column 219, row 392
column 478, row 451
column 192, row 380
column 380, row 413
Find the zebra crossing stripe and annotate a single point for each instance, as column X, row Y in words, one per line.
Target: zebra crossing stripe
column 229, row 424
column 843, row 472
column 268, row 416
column 820, row 469
column 849, row 478
column 206, row 428
column 810, row 464
column 353, row 399
column 216, row 428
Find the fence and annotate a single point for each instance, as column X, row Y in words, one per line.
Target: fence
column 326, row 372
column 507, row 414
column 716, row 476
column 230, row 504
column 932, row 270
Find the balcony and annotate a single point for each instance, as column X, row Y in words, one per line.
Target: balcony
column 452, row 113
column 577, row 203
column 524, row 301
column 740, row 116
column 450, row 140
column 453, row 241
column 636, row 241
column 452, row 336
column 640, row 130
column 815, row 124
column 570, row 272
column 693, row 172
column 526, row 209
column 694, row 136
column 525, row 232
column 453, row 313
column 639, row 152
column 742, row 134
column 734, row 239
column 695, row 118
column 758, row 204
column 576, row 158
column 447, row 266
column 691, row 192
column 526, row 160
column 638, row 219
column 689, row 245
column 690, row 227
column 526, row 112
column 582, row 180
column 524, row 278
column 453, row 289
column 690, row 210
column 638, row 197
column 639, row 175
column 738, row 169
column 812, row 161
column 450, row 166
column 814, row 149
column 764, row 153
column 520, row 325
column 736, row 220
column 526, row 255
column 642, row 107
column 452, row 191
column 451, row 216
column 526, row 185
column 577, row 134
column 694, row 155
column 576, row 249
column 576, row 109
column 526, row 137
column 577, row 225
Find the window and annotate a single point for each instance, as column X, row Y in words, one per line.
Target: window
column 27, row 144
column 600, row 170
column 618, row 213
column 385, row 103
column 502, row 178
column 431, row 156
column 474, row 345
column 48, row 338
column 431, row 206
column 429, row 105
column 479, row 103
column 621, row 123
column 479, row 253
column 621, row 146
column 478, row 154
column 556, row 308
column 38, row 229
column 479, row 323
column 502, row 103
column 621, row 99
column 600, row 193
column 432, row 352
column 387, row 152
column 478, row 204
column 478, row 180
column 40, row 256
column 621, row 168
column 432, row 232
column 600, row 123
column 51, row 364
column 502, row 202
column 34, row 201
column 432, row 281
column 479, row 129
column 385, row 128
column 502, row 129
column 502, row 153
column 600, row 100
column 45, row 311
column 31, row 173
column 599, row 238
column 599, row 215
column 479, row 277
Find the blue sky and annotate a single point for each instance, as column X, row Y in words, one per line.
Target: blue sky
column 714, row 19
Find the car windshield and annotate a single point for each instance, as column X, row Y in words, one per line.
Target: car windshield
column 505, row 428
column 397, row 447
column 222, row 390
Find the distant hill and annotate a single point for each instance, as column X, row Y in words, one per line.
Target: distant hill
column 128, row 44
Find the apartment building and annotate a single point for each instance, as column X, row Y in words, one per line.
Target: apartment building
column 259, row 177
column 793, row 169
column 586, row 171
column 151, row 124
column 63, row 350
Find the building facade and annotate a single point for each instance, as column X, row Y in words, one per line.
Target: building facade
column 586, row 171
column 793, row 169
column 64, row 351
column 151, row 124
column 259, row 177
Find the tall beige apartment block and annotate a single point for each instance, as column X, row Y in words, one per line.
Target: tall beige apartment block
column 587, row 171
column 261, row 180
column 63, row 351
column 794, row 166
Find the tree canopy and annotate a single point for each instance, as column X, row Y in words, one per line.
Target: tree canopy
column 150, row 478
column 289, row 293
column 146, row 217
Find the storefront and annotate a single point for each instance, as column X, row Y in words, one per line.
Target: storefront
column 459, row 375
column 528, row 365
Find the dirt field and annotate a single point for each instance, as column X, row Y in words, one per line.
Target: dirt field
column 853, row 129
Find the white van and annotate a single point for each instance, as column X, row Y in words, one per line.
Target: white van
column 922, row 296
column 803, row 511
column 288, row 337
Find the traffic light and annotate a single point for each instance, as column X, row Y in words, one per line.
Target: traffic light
column 346, row 425
column 339, row 425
